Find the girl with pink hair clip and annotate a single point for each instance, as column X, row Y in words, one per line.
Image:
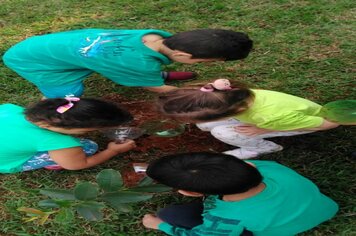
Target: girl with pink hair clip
column 244, row 117
column 40, row 136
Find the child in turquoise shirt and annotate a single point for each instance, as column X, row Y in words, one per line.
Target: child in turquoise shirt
column 58, row 63
column 40, row 136
column 259, row 197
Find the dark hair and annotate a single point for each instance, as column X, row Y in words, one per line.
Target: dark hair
column 211, row 43
column 86, row 113
column 204, row 172
column 194, row 104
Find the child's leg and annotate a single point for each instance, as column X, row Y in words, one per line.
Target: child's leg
column 42, row 159
column 208, row 126
column 186, row 216
column 49, row 75
column 61, row 91
column 250, row 146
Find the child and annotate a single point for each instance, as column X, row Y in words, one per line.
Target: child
column 58, row 63
column 39, row 136
column 262, row 197
column 244, row 117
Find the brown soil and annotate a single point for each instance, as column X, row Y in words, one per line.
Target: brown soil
column 192, row 140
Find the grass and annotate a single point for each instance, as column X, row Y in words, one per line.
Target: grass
column 301, row 47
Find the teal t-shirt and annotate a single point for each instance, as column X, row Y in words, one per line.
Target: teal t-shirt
column 20, row 139
column 67, row 57
column 289, row 204
column 280, row 111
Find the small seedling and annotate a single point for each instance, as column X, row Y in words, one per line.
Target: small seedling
column 89, row 199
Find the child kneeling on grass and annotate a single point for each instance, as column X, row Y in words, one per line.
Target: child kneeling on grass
column 39, row 136
column 244, row 117
column 260, row 198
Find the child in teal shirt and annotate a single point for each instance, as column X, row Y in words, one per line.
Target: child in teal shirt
column 40, row 136
column 58, row 63
column 259, row 197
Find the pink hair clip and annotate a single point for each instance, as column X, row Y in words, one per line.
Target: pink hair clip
column 219, row 84
column 69, row 105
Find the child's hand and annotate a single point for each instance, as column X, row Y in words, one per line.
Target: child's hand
column 151, row 221
column 121, row 147
column 251, row 130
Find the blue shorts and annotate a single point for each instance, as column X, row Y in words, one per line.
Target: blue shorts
column 42, row 159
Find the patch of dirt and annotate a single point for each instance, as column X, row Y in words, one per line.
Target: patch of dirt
column 192, row 140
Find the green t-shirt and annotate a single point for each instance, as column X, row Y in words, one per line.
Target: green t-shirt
column 290, row 204
column 20, row 139
column 119, row 55
column 279, row 111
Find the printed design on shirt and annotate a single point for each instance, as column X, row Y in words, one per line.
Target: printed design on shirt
column 209, row 203
column 213, row 225
column 216, row 226
column 104, row 44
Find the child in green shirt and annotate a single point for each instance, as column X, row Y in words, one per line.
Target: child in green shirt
column 259, row 198
column 41, row 135
column 244, row 117
column 58, row 63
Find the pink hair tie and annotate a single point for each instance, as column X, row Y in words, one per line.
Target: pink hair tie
column 219, row 84
column 69, row 105
column 204, row 89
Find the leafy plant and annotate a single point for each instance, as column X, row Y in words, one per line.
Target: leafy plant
column 89, row 199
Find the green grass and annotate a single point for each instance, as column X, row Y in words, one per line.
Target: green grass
column 301, row 47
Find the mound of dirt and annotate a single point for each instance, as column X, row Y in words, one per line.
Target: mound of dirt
column 192, row 140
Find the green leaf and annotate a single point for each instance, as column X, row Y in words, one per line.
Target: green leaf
column 50, row 203
column 145, row 181
column 109, row 180
column 65, row 215
column 64, row 203
column 92, row 204
column 58, row 193
column 121, row 207
column 154, row 188
column 90, row 210
column 124, row 197
column 32, row 211
column 85, row 191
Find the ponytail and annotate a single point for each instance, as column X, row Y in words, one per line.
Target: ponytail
column 197, row 104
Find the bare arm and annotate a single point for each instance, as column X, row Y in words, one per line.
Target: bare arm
column 75, row 158
column 161, row 89
column 252, row 130
column 324, row 126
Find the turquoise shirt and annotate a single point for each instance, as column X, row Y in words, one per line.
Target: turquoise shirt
column 20, row 139
column 290, row 204
column 67, row 57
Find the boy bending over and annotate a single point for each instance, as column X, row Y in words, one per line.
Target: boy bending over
column 260, row 198
column 58, row 63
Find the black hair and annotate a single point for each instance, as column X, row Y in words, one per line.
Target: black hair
column 204, row 172
column 211, row 43
column 86, row 113
column 194, row 104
